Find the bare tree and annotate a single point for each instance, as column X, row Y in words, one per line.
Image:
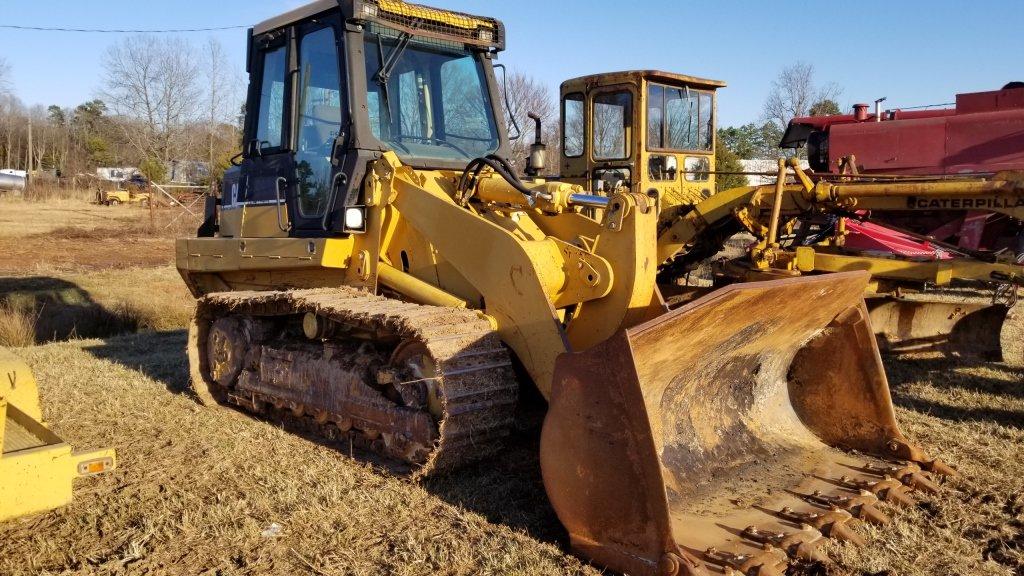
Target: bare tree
column 152, row 83
column 5, row 76
column 793, row 94
column 11, row 123
column 221, row 95
column 526, row 95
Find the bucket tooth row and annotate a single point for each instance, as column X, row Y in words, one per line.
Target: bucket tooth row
column 769, row 561
column 801, row 544
column 909, row 474
column 887, row 489
column 907, row 452
column 796, row 531
column 834, row 523
column 862, row 506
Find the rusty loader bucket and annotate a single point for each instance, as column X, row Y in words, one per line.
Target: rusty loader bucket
column 730, row 435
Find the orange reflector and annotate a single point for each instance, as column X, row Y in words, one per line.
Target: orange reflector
column 97, row 466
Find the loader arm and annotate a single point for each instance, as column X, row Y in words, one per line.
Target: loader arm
column 527, row 279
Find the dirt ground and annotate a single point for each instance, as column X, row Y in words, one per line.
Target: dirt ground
column 214, row 491
column 74, row 235
column 75, row 268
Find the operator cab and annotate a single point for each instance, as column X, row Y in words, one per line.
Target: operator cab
column 334, row 84
column 649, row 131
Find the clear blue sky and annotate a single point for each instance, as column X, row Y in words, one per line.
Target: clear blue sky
column 913, row 52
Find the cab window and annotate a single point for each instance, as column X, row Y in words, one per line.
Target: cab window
column 428, row 99
column 679, row 118
column 697, row 168
column 613, row 114
column 572, row 131
column 270, row 121
column 319, row 121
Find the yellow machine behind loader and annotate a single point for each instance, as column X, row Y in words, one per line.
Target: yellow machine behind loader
column 36, row 466
column 653, row 133
column 376, row 271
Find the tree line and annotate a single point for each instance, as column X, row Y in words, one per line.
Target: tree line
column 161, row 102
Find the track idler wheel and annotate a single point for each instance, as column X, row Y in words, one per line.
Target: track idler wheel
column 225, row 350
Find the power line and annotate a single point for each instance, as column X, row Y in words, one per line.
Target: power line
column 118, row 31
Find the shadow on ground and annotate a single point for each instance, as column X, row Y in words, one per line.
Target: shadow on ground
column 952, row 375
column 158, row 355
column 57, row 309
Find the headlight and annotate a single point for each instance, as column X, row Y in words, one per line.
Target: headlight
column 355, row 219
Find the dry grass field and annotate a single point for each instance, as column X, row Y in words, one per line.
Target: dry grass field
column 214, row 491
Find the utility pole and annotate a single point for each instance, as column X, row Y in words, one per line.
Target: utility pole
column 28, row 174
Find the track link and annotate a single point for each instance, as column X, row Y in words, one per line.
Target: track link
column 471, row 375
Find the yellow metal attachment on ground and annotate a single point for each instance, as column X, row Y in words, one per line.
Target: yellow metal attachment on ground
column 36, row 466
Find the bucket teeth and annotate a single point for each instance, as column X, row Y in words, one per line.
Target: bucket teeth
column 909, row 474
column 769, row 562
column 834, row 523
column 682, row 564
column 938, row 467
column 919, row 481
column 888, row 489
column 801, row 544
column 906, row 451
column 861, row 506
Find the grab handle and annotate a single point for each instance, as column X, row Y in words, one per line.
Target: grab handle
column 277, row 192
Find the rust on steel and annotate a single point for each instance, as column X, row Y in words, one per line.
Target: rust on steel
column 727, row 447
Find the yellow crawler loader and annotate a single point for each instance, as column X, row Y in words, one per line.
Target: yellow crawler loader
column 375, row 271
column 653, row 132
column 36, row 467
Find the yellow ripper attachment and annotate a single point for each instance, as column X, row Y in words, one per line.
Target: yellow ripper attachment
column 36, row 466
column 716, row 437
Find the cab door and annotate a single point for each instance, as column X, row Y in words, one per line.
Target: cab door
column 599, row 136
column 318, row 119
column 264, row 172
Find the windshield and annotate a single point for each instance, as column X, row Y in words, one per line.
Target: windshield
column 430, row 98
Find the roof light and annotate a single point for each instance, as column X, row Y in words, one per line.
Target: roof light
column 486, row 35
column 370, row 10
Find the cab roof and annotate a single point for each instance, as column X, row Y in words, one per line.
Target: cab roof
column 292, row 16
column 414, row 18
column 653, row 75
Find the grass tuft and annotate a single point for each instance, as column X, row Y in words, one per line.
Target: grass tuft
column 17, row 327
column 52, row 192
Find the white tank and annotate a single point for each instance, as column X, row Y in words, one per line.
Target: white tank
column 12, row 182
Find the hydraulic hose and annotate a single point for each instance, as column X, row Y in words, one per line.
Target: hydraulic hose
column 501, row 167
